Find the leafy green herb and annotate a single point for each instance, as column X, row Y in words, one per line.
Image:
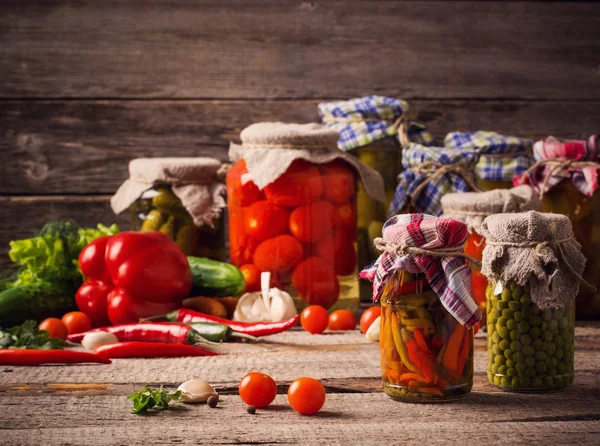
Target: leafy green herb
column 146, row 399
column 27, row 335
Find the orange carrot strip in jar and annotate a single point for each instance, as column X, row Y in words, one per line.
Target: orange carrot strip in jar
column 412, row 376
column 450, row 360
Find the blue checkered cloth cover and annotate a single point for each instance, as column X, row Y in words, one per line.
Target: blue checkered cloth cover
column 500, row 157
column 362, row 121
column 428, row 201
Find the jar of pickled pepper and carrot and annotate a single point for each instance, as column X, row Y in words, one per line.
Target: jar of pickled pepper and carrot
column 426, row 354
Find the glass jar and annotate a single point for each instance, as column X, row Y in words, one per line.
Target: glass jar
column 385, row 156
column 474, row 246
column 490, row 185
column 426, row 355
column 301, row 228
column 584, row 213
column 528, row 349
column 158, row 209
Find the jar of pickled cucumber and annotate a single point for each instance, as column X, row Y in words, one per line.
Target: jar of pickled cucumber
column 426, row 329
column 472, row 208
column 292, row 212
column 181, row 197
column 534, row 265
column 373, row 128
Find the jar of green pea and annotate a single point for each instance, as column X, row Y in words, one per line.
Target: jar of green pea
column 534, row 268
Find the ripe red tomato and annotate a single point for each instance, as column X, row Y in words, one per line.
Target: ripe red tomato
column 252, row 277
column 306, row 396
column 258, row 389
column 338, row 248
column 344, row 217
column 312, row 222
column 241, row 246
column 316, row 282
column 76, row 322
column 241, row 190
column 339, row 184
column 314, row 319
column 300, row 184
column 55, row 328
column 91, row 260
column 278, row 254
column 368, row 317
column 263, row 220
column 91, row 299
column 342, row 320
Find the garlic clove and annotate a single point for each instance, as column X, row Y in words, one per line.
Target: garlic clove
column 372, row 333
column 282, row 305
column 98, row 338
column 196, row 391
column 250, row 308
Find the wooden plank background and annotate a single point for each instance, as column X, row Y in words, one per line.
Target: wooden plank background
column 86, row 86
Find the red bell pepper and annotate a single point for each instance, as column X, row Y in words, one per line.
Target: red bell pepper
column 132, row 275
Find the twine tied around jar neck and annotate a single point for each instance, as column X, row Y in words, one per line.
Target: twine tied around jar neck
column 558, row 166
column 384, row 246
column 434, row 169
column 400, row 124
column 552, row 244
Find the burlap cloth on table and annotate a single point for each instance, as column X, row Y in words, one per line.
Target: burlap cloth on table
column 535, row 248
column 268, row 148
column 193, row 180
column 473, row 207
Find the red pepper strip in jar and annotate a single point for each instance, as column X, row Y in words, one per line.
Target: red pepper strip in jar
column 254, row 329
column 450, row 360
column 150, row 331
column 465, row 349
column 14, row 356
column 419, row 358
column 150, row 350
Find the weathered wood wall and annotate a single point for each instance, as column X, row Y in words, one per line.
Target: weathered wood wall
column 86, row 86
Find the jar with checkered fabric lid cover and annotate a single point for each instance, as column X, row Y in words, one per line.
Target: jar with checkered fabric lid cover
column 565, row 177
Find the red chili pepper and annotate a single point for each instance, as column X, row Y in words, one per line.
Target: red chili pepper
column 254, row 329
column 465, row 349
column 149, row 331
column 150, row 350
column 420, row 359
column 17, row 356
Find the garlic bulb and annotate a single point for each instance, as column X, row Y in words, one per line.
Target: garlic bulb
column 196, row 391
column 372, row 333
column 269, row 305
column 98, row 338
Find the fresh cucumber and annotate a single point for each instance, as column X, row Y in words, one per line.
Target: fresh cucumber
column 37, row 301
column 215, row 279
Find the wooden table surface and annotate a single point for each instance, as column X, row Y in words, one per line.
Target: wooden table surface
column 87, row 404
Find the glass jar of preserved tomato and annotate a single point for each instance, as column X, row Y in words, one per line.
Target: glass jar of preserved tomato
column 181, row 197
column 426, row 329
column 296, row 217
column 534, row 265
column 472, row 208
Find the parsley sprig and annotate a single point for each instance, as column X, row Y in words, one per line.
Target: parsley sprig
column 146, row 399
column 29, row 336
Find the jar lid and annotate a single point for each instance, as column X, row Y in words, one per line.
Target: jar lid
column 535, row 248
column 473, row 207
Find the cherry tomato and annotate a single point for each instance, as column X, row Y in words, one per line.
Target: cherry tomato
column 314, row 319
column 342, row 320
column 258, row 389
column 316, row 282
column 91, row 260
column 76, row 322
column 344, row 217
column 91, row 299
column 338, row 248
column 241, row 246
column 306, row 396
column 279, row 254
column 312, row 222
column 263, row 220
column 368, row 317
column 300, row 184
column 252, row 277
column 241, row 190
column 54, row 327
column 474, row 245
column 339, row 185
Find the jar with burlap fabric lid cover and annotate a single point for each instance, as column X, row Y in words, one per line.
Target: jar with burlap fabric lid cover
column 565, row 177
column 292, row 211
column 182, row 197
column 534, row 265
column 472, row 208
column 374, row 129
